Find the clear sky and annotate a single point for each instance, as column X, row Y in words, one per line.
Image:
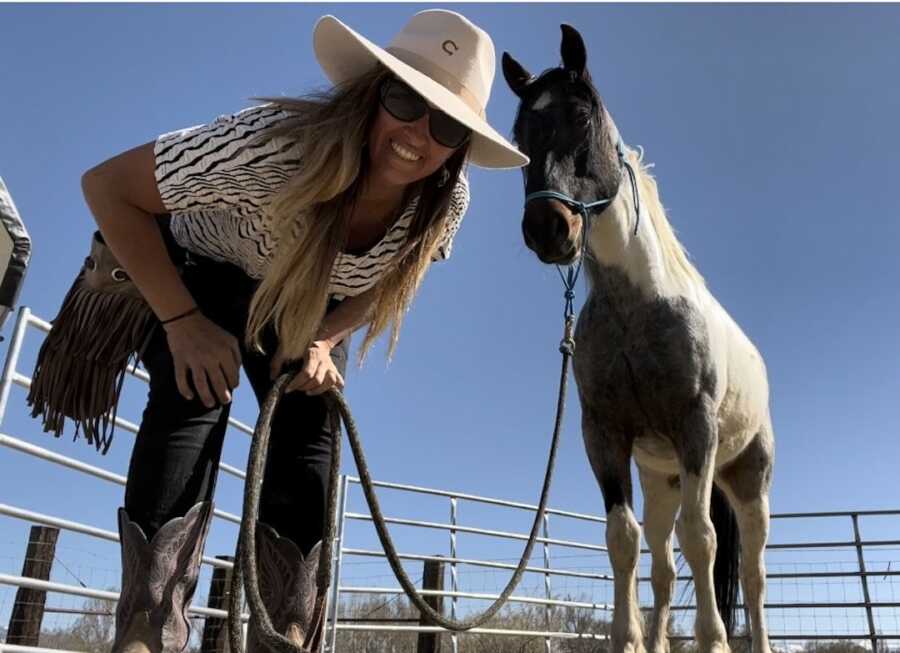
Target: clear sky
column 774, row 133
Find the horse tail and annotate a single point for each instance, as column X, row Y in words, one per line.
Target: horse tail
column 725, row 567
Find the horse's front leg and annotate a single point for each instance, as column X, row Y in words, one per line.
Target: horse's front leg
column 661, row 500
column 610, row 457
column 697, row 451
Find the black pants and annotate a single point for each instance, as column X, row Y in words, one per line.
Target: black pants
column 175, row 458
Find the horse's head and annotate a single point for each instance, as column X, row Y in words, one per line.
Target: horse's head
column 564, row 128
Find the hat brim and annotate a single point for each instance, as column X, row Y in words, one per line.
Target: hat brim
column 345, row 54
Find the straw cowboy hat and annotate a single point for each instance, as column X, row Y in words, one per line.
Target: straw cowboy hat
column 446, row 58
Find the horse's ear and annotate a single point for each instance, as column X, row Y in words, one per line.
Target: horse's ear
column 574, row 54
column 516, row 75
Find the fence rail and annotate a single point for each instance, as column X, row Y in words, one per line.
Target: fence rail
column 857, row 544
column 549, row 570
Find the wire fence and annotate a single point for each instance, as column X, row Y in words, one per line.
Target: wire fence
column 831, row 576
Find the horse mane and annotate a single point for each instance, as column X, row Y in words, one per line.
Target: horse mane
column 675, row 256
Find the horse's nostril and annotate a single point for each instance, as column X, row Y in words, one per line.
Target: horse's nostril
column 560, row 229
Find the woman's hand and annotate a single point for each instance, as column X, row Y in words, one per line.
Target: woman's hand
column 318, row 374
column 210, row 353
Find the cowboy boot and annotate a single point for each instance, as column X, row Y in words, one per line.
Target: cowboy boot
column 158, row 581
column 287, row 586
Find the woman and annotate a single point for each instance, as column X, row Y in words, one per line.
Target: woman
column 291, row 224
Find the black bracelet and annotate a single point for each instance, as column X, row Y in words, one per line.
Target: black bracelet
column 196, row 309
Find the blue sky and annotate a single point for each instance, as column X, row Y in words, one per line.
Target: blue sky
column 774, row 133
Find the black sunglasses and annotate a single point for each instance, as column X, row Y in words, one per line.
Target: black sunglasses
column 404, row 104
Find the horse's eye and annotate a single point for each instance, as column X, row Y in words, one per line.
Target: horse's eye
column 583, row 117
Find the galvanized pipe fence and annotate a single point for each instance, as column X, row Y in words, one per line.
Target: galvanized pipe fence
column 548, row 597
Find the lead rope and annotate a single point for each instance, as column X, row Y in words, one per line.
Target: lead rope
column 245, row 554
column 245, row 551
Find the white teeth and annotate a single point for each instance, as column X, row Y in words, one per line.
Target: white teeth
column 403, row 153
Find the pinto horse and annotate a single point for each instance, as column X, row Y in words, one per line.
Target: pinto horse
column 665, row 376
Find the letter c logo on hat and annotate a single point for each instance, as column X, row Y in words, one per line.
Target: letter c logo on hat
column 446, row 45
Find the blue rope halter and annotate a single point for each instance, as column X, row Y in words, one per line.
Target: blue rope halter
column 570, row 277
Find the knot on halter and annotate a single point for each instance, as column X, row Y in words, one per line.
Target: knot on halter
column 567, row 346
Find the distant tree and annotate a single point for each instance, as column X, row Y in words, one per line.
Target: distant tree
column 378, row 610
column 92, row 632
column 581, row 620
column 95, row 630
column 833, row 647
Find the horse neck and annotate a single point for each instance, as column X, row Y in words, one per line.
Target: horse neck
column 652, row 259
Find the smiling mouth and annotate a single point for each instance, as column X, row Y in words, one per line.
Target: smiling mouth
column 404, row 153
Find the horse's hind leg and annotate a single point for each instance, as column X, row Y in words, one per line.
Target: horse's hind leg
column 610, row 458
column 661, row 499
column 696, row 535
column 746, row 482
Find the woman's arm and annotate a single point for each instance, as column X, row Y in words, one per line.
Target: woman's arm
column 346, row 318
column 123, row 196
column 319, row 373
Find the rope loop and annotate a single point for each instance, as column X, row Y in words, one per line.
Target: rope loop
column 245, row 556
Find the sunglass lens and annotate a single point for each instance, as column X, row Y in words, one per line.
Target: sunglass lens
column 402, row 102
column 405, row 104
column 448, row 131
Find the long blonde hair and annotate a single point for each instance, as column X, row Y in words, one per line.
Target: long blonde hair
column 311, row 216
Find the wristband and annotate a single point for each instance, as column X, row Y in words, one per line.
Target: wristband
column 196, row 309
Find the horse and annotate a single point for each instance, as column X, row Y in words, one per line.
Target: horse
column 665, row 376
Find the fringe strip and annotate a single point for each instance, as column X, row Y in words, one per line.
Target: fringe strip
column 81, row 365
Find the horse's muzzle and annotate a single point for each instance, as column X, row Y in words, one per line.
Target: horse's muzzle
column 551, row 231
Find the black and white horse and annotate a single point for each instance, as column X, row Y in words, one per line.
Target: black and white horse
column 665, row 376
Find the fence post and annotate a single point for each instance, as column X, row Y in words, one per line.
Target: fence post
column 215, row 632
column 454, row 577
column 338, row 553
column 12, row 358
column 548, row 612
column 432, row 579
column 28, row 610
column 865, row 582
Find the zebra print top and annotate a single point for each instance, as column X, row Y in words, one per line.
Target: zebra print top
column 215, row 188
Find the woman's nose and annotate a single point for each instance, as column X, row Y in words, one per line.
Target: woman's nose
column 419, row 129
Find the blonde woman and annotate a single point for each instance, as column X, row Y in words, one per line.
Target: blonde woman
column 290, row 224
